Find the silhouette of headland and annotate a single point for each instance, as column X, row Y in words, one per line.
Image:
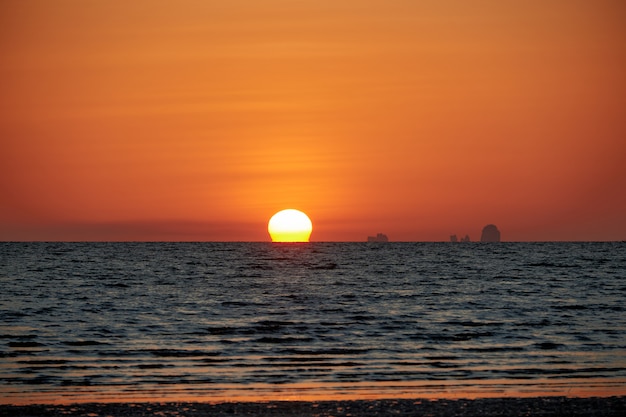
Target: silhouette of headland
column 490, row 234
column 380, row 237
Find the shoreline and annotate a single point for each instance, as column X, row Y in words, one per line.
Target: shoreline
column 485, row 407
column 314, row 392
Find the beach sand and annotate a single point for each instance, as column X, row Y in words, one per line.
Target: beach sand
column 485, row 407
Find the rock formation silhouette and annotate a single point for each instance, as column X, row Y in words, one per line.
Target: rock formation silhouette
column 490, row 234
column 455, row 239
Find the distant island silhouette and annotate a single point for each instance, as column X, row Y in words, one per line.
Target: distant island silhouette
column 454, row 239
column 490, row 233
column 380, row 237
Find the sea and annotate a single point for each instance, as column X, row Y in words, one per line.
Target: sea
column 83, row 322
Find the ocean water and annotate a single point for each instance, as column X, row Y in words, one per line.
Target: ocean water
column 215, row 321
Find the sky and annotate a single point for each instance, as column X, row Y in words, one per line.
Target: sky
column 200, row 119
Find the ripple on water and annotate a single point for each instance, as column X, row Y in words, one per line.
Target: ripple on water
column 129, row 317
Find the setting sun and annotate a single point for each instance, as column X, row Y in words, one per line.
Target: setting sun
column 290, row 226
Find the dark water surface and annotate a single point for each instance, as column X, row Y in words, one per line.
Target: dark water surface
column 83, row 321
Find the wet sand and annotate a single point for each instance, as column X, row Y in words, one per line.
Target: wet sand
column 485, row 407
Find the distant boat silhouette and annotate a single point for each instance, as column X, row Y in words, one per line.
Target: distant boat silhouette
column 380, row 237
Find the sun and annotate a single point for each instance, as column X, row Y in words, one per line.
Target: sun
column 290, row 226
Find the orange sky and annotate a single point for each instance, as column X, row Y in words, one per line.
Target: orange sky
column 199, row 119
